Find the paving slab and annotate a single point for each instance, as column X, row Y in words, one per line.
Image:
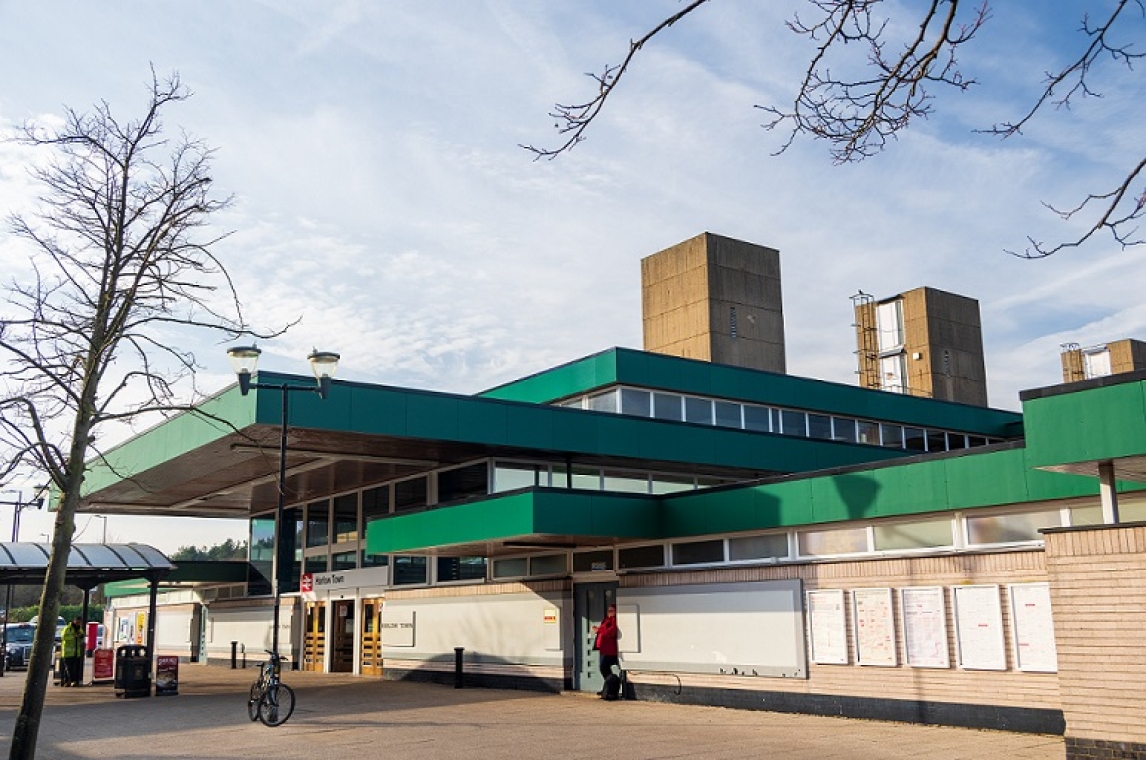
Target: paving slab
column 340, row 714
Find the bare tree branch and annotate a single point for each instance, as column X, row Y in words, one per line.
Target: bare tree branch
column 573, row 120
column 858, row 116
column 896, row 67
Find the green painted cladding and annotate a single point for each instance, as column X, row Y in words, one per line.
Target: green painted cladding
column 180, row 434
column 940, row 485
column 648, row 370
column 527, row 513
column 963, row 482
column 426, row 415
column 1089, row 425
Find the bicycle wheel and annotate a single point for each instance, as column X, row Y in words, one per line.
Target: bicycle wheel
column 276, row 705
column 253, row 701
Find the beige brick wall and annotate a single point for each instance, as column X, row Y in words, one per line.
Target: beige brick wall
column 1011, row 687
column 1098, row 593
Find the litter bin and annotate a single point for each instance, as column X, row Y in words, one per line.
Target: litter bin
column 132, row 671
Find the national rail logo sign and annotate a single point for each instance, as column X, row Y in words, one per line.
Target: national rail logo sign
column 307, row 584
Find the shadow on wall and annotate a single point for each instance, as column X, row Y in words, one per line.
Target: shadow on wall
column 858, row 494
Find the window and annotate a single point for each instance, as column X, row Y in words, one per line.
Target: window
column 635, row 557
column 774, row 546
column 936, row 440
column 509, row 476
column 892, row 436
column 592, row 562
column 914, row 535
column 672, row 483
column 793, row 423
column 604, row 402
column 510, row 568
column 1096, row 362
column 667, row 406
column 637, row 403
column 727, row 414
column 626, row 482
column 867, row 432
column 587, row 477
column 914, row 439
column 976, row 440
column 346, row 518
column 409, row 570
column 261, row 543
column 820, row 426
column 889, row 323
column 450, row 569
column 549, row 564
column 757, row 418
column 1006, row 529
column 698, row 410
column 344, row 561
column 844, row 429
column 893, row 373
column 698, row 552
column 316, row 564
column 375, row 503
column 410, row 494
column 820, row 543
column 318, row 523
column 463, row 482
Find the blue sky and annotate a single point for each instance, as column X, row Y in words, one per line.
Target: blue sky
column 381, row 194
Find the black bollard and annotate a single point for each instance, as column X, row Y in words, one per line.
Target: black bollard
column 458, row 675
column 234, row 655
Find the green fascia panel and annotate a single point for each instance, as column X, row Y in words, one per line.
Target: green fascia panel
column 115, row 589
column 576, row 377
column 1088, row 425
column 220, row 415
column 658, row 371
column 946, row 484
column 521, row 514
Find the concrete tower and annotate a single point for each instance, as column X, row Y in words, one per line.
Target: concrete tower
column 924, row 342
column 1126, row 355
column 716, row 299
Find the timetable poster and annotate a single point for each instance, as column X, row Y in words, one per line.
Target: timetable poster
column 874, row 626
column 827, row 627
column 1034, row 629
column 924, row 627
column 979, row 628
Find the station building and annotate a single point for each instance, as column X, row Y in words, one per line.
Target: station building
column 771, row 542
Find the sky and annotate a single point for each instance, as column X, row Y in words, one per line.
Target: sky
column 382, row 196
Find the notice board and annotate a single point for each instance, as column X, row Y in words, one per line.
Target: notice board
column 979, row 628
column 924, row 627
column 827, row 627
column 1034, row 628
column 874, row 625
column 753, row 628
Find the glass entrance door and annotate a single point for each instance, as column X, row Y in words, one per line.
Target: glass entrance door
column 589, row 603
column 342, row 651
column 314, row 638
column 371, row 637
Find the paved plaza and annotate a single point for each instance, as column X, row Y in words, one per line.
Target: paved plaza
column 343, row 716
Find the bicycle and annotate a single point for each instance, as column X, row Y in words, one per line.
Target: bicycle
column 270, row 701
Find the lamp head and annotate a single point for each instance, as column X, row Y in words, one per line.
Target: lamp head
column 323, row 364
column 244, row 360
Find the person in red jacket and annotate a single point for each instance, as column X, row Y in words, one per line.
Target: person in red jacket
column 606, row 642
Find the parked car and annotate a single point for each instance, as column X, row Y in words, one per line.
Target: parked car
column 20, row 637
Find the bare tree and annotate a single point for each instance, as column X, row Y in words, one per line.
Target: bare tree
column 119, row 260
column 858, row 114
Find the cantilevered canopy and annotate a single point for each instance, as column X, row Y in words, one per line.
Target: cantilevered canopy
column 88, row 564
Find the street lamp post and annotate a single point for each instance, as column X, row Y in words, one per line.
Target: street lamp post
column 37, row 502
column 244, row 360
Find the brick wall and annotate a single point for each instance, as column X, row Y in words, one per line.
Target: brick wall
column 1098, row 594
